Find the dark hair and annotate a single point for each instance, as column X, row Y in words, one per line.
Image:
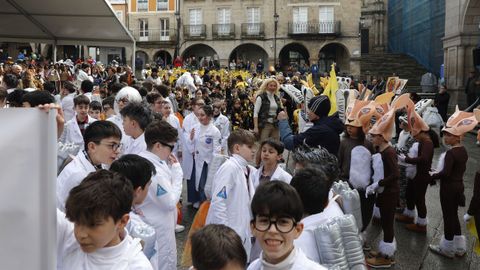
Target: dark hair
column 86, row 86
column 15, row 98
column 163, row 90
column 208, row 109
column 148, row 85
column 38, row 97
column 108, row 101
column 137, row 112
column 214, row 246
column 85, row 65
column 434, row 137
column 313, row 187
column 100, row 130
column 102, row 194
column 135, row 168
column 277, row 199
column 319, row 158
column 240, row 136
column 81, row 100
column 276, row 144
column 114, row 88
column 70, row 87
column 10, row 80
column 95, row 106
column 195, row 100
column 152, row 97
column 50, row 87
column 160, row 131
column 361, row 134
column 143, row 91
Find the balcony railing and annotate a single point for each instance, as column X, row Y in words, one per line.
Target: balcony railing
column 154, row 35
column 223, row 31
column 195, row 31
column 314, row 28
column 253, row 30
column 142, row 6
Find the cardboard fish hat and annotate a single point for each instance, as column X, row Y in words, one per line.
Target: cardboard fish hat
column 462, row 122
column 416, row 123
column 354, row 112
column 384, row 126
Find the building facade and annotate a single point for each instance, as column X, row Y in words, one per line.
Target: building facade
column 288, row 32
column 374, row 26
column 153, row 25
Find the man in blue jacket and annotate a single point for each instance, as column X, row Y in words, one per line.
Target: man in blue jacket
column 325, row 131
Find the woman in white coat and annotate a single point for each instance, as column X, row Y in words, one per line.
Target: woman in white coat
column 207, row 141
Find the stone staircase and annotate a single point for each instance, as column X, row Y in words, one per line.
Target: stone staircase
column 404, row 66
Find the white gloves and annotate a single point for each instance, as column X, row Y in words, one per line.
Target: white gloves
column 401, row 158
column 371, row 189
column 432, row 172
column 466, row 217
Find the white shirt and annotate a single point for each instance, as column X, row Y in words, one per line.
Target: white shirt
column 272, row 111
column 67, row 106
column 160, row 209
column 206, row 142
column 71, row 176
column 126, row 255
column 296, row 260
column 187, row 147
column 232, row 194
column 223, row 125
column 72, row 134
column 279, row 174
column 172, row 119
column 135, row 146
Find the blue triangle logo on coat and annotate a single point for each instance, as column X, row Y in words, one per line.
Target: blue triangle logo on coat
column 223, row 193
column 160, row 190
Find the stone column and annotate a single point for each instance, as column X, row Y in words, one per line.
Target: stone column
column 460, row 67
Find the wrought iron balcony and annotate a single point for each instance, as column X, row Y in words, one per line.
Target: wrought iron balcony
column 314, row 28
column 253, row 30
column 223, row 31
column 194, row 31
column 154, row 35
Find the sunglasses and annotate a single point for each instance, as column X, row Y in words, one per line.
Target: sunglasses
column 167, row 145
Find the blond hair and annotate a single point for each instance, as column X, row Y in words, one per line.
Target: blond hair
column 263, row 87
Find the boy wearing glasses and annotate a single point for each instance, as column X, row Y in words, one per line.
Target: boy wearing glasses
column 75, row 128
column 159, row 208
column 277, row 212
column 102, row 146
column 135, row 120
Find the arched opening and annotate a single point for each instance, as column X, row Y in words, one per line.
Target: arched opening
column 162, row 58
column 205, row 55
column 246, row 54
column 334, row 52
column 141, row 58
column 294, row 56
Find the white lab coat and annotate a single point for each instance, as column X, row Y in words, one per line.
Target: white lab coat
column 71, row 132
column 172, row 119
column 126, row 255
column 295, row 261
column 160, row 210
column 71, row 176
column 68, row 107
column 279, row 174
column 232, row 194
column 187, row 148
column 134, row 146
column 306, row 242
column 223, row 125
column 206, row 142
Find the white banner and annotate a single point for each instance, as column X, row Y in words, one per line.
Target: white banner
column 27, row 189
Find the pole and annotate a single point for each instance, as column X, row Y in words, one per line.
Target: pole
column 177, row 15
column 55, row 51
column 133, row 55
column 275, row 18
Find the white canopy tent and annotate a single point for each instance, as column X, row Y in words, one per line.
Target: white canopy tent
column 63, row 22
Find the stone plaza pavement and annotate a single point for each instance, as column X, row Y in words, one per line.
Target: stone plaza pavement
column 412, row 248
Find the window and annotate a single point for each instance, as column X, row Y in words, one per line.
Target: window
column 300, row 20
column 223, row 20
column 164, row 30
column 142, row 5
column 326, row 20
column 195, row 18
column 143, row 24
column 253, row 20
column 162, row 5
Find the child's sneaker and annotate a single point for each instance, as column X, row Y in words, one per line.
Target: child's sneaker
column 380, row 262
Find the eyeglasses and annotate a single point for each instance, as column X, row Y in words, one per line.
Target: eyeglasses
column 283, row 224
column 124, row 100
column 167, row 145
column 113, row 146
column 106, row 108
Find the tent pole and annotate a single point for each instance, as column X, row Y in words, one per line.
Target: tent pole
column 133, row 56
column 55, row 51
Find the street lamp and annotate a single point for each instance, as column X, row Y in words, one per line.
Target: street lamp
column 177, row 46
column 275, row 19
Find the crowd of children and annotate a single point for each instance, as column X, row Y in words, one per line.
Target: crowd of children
column 136, row 146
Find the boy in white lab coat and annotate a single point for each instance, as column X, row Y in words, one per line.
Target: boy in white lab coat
column 222, row 123
column 135, row 120
column 277, row 212
column 232, row 188
column 313, row 187
column 75, row 127
column 159, row 208
column 91, row 234
column 102, row 146
column 271, row 152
